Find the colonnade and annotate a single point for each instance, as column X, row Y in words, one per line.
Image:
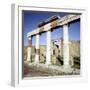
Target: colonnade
column 47, row 28
column 48, row 47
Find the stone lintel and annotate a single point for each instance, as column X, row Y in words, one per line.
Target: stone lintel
column 64, row 20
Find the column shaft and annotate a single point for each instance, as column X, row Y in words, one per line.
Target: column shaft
column 37, row 49
column 48, row 52
column 29, row 49
column 66, row 47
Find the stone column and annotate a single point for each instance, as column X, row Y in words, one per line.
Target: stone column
column 66, row 48
column 29, row 49
column 48, row 47
column 37, row 49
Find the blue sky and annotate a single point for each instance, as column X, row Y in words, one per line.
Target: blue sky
column 32, row 18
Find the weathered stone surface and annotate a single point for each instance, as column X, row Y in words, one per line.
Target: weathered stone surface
column 42, row 58
column 54, row 49
column 32, row 57
column 74, row 47
column 71, row 62
column 42, row 54
column 54, row 60
column 64, row 20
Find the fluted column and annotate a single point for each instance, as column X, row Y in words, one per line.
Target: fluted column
column 29, row 49
column 48, row 47
column 37, row 47
column 66, row 48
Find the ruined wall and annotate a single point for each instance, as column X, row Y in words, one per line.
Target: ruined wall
column 74, row 48
column 56, row 53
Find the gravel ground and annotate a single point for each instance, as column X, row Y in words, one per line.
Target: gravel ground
column 33, row 71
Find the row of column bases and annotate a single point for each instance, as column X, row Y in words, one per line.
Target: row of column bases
column 66, row 64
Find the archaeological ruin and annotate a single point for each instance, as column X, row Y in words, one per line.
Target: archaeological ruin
column 53, row 56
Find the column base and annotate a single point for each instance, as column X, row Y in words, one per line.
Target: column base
column 47, row 65
column 67, row 69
